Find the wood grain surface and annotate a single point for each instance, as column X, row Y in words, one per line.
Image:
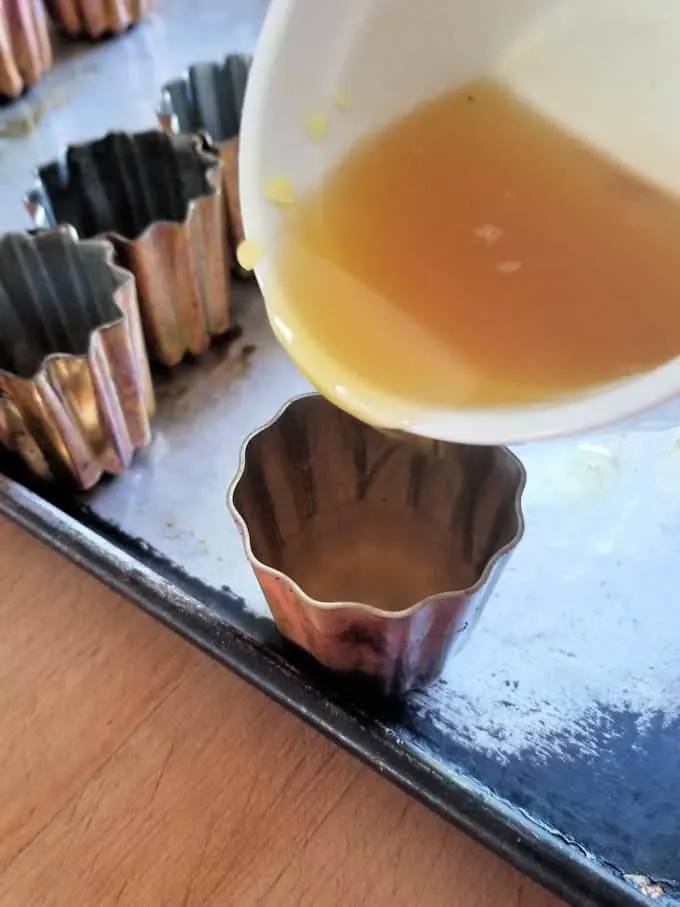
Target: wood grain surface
column 135, row 771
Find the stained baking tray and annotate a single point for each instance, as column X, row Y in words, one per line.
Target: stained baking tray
column 554, row 737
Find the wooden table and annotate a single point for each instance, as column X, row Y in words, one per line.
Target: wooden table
column 135, row 771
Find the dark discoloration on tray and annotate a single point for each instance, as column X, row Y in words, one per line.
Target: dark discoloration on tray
column 573, row 782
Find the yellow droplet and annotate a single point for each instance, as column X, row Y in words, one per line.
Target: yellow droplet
column 279, row 190
column 340, row 99
column 248, row 254
column 316, row 124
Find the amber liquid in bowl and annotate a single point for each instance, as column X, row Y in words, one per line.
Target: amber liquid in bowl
column 474, row 253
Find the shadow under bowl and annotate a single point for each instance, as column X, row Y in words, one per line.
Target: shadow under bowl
column 374, row 555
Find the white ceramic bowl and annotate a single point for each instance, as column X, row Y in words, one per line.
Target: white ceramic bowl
column 607, row 69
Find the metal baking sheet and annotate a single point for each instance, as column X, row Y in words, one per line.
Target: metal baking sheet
column 555, row 736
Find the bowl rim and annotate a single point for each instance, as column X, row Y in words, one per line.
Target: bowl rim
column 363, row 607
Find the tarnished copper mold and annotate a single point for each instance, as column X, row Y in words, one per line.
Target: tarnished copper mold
column 96, row 19
column 75, row 389
column 157, row 198
column 374, row 555
column 208, row 98
column 25, row 49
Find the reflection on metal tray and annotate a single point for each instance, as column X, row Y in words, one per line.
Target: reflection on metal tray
column 554, row 736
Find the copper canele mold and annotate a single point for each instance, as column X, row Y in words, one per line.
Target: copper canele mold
column 96, row 18
column 157, row 198
column 25, row 49
column 75, row 389
column 373, row 555
column 208, row 98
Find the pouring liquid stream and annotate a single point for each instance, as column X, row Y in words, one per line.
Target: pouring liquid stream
column 475, row 254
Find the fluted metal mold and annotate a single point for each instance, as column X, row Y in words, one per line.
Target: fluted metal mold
column 374, row 555
column 96, row 19
column 208, row 98
column 157, row 198
column 76, row 397
column 25, row 48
